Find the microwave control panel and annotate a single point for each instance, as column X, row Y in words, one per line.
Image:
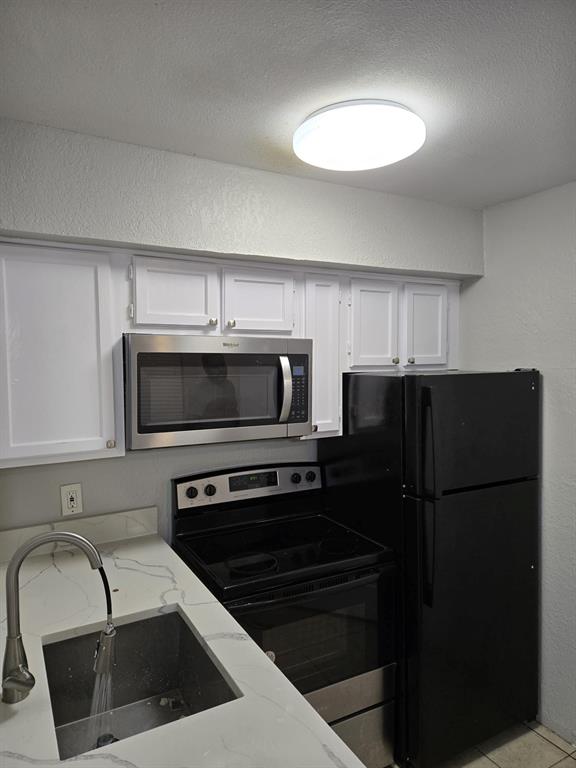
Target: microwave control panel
column 299, row 409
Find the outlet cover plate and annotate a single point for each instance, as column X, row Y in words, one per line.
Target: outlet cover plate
column 71, row 499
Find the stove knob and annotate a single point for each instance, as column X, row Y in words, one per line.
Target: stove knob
column 310, row 476
column 191, row 492
column 210, row 490
column 296, row 477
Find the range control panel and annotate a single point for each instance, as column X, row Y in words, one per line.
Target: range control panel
column 246, row 484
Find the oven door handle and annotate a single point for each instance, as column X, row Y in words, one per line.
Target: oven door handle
column 286, row 389
column 374, row 576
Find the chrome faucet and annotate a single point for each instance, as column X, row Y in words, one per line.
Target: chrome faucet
column 17, row 680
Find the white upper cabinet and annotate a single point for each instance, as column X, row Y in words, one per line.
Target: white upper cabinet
column 374, row 323
column 56, row 345
column 426, row 323
column 322, row 304
column 258, row 300
column 173, row 292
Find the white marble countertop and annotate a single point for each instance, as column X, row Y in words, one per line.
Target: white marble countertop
column 269, row 726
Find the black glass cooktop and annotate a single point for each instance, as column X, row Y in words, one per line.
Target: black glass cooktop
column 260, row 556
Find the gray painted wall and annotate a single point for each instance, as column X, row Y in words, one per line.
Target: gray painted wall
column 523, row 314
column 31, row 495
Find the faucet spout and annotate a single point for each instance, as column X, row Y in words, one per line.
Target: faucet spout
column 17, row 680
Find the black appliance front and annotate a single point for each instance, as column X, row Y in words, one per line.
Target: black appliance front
column 472, row 618
column 455, row 492
column 316, row 596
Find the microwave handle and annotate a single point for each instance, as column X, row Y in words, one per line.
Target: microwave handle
column 286, row 389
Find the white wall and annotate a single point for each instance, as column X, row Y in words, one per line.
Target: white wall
column 523, row 314
column 62, row 184
column 69, row 186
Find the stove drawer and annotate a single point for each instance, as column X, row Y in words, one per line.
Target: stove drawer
column 355, row 694
column 370, row 735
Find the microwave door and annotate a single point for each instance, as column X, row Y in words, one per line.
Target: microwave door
column 187, row 398
column 286, row 371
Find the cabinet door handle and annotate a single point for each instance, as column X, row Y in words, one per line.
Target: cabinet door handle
column 395, row 360
column 411, row 359
column 213, row 321
column 231, row 323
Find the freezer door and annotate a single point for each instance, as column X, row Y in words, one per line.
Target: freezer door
column 465, row 430
column 470, row 665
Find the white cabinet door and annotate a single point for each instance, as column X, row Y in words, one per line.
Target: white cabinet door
column 258, row 300
column 426, row 320
column 322, row 326
column 56, row 341
column 173, row 292
column 374, row 323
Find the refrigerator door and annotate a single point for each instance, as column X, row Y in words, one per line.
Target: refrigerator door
column 465, row 430
column 471, row 602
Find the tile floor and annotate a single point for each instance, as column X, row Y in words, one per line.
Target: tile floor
column 524, row 746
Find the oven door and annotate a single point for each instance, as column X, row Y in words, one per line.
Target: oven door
column 184, row 390
column 325, row 632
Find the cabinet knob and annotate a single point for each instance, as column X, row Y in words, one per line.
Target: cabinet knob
column 213, row 321
column 231, row 323
column 411, row 360
column 110, row 443
column 395, row 360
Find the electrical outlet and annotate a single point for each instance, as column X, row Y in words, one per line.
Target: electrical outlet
column 71, row 499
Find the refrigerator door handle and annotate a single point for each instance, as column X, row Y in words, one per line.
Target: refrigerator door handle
column 428, row 464
column 428, row 552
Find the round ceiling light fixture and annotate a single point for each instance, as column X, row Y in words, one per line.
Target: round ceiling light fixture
column 358, row 135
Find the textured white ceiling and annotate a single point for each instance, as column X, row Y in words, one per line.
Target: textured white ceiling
column 230, row 80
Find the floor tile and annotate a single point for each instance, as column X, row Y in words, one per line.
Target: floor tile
column 568, row 762
column 558, row 741
column 472, row 758
column 521, row 747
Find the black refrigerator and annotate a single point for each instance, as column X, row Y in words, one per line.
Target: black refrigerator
column 444, row 467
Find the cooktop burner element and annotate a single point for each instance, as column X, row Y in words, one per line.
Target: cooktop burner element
column 252, row 563
column 338, row 545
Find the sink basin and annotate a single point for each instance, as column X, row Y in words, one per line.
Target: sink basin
column 162, row 673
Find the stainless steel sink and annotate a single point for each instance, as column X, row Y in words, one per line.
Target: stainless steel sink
column 162, row 674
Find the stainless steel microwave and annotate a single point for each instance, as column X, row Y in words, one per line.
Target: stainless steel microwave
column 187, row 390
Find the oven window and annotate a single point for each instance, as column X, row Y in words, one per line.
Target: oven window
column 323, row 639
column 193, row 391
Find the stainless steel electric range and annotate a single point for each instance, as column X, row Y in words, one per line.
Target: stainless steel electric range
column 315, row 595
